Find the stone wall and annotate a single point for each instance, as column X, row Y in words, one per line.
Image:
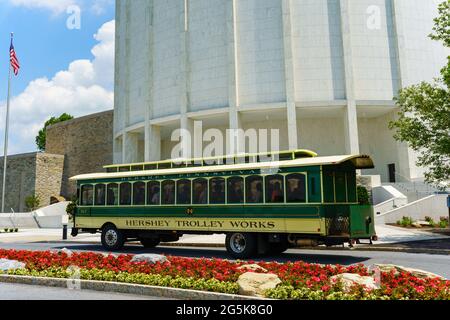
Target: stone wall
column 86, row 143
column 31, row 174
column 49, row 175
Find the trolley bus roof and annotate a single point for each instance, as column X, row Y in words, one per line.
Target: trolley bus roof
column 359, row 161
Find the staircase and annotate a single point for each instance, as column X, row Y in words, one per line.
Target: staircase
column 415, row 190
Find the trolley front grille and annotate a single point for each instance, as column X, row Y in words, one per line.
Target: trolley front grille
column 338, row 226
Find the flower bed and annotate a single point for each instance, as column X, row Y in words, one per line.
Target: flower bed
column 300, row 280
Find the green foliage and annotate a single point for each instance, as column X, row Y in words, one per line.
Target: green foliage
column 211, row 285
column 32, row 202
column 41, row 138
column 71, row 208
column 285, row 292
column 363, row 195
column 443, row 223
column 405, row 222
column 441, row 32
column 424, row 117
column 430, row 221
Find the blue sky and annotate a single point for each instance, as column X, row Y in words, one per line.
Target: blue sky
column 46, row 47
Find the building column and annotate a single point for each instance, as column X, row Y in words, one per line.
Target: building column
column 289, row 75
column 118, row 150
column 152, row 143
column 234, row 143
column 405, row 153
column 350, row 114
column 130, row 147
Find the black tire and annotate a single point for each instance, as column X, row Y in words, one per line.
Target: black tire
column 278, row 248
column 241, row 245
column 112, row 238
column 150, row 243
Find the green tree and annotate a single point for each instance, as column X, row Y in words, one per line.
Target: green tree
column 424, row 117
column 41, row 138
column 32, row 202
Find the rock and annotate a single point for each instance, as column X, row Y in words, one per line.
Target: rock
column 66, row 251
column 149, row 258
column 350, row 279
column 107, row 255
column 422, row 274
column 255, row 284
column 252, row 267
column 416, row 225
column 57, row 199
column 424, row 223
column 6, row 265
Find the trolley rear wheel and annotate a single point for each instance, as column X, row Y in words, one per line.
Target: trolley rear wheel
column 241, row 245
column 150, row 242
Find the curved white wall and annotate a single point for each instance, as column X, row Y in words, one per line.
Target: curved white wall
column 311, row 67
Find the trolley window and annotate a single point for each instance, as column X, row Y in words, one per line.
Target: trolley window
column 112, row 194
column 254, row 189
column 274, row 189
column 184, row 192
column 87, row 195
column 296, row 188
column 139, row 194
column 125, row 194
column 100, row 195
column 168, row 192
column 153, row 193
column 235, row 190
column 217, row 191
column 351, row 186
column 200, row 191
column 340, row 187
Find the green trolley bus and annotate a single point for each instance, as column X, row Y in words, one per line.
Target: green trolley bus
column 262, row 203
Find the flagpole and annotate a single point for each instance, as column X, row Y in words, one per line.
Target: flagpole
column 5, row 153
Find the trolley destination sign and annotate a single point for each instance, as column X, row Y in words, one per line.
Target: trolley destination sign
column 200, row 224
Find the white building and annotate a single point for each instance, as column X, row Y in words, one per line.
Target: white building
column 323, row 72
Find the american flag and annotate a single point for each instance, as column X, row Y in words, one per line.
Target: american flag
column 13, row 58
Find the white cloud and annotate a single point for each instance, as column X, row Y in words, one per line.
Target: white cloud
column 59, row 6
column 84, row 88
column 55, row 6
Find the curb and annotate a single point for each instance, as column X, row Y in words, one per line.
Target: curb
column 385, row 249
column 125, row 288
column 220, row 245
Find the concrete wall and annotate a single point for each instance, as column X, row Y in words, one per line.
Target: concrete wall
column 32, row 174
column 86, row 143
column 46, row 218
column 433, row 206
column 325, row 65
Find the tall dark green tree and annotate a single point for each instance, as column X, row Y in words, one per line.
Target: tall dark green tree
column 41, row 138
column 424, row 117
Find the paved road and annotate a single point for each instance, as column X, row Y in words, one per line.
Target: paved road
column 439, row 264
column 28, row 292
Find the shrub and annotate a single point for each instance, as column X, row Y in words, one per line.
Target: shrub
column 430, row 221
column 32, row 202
column 405, row 222
column 443, row 223
column 211, row 285
column 71, row 208
column 363, row 195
